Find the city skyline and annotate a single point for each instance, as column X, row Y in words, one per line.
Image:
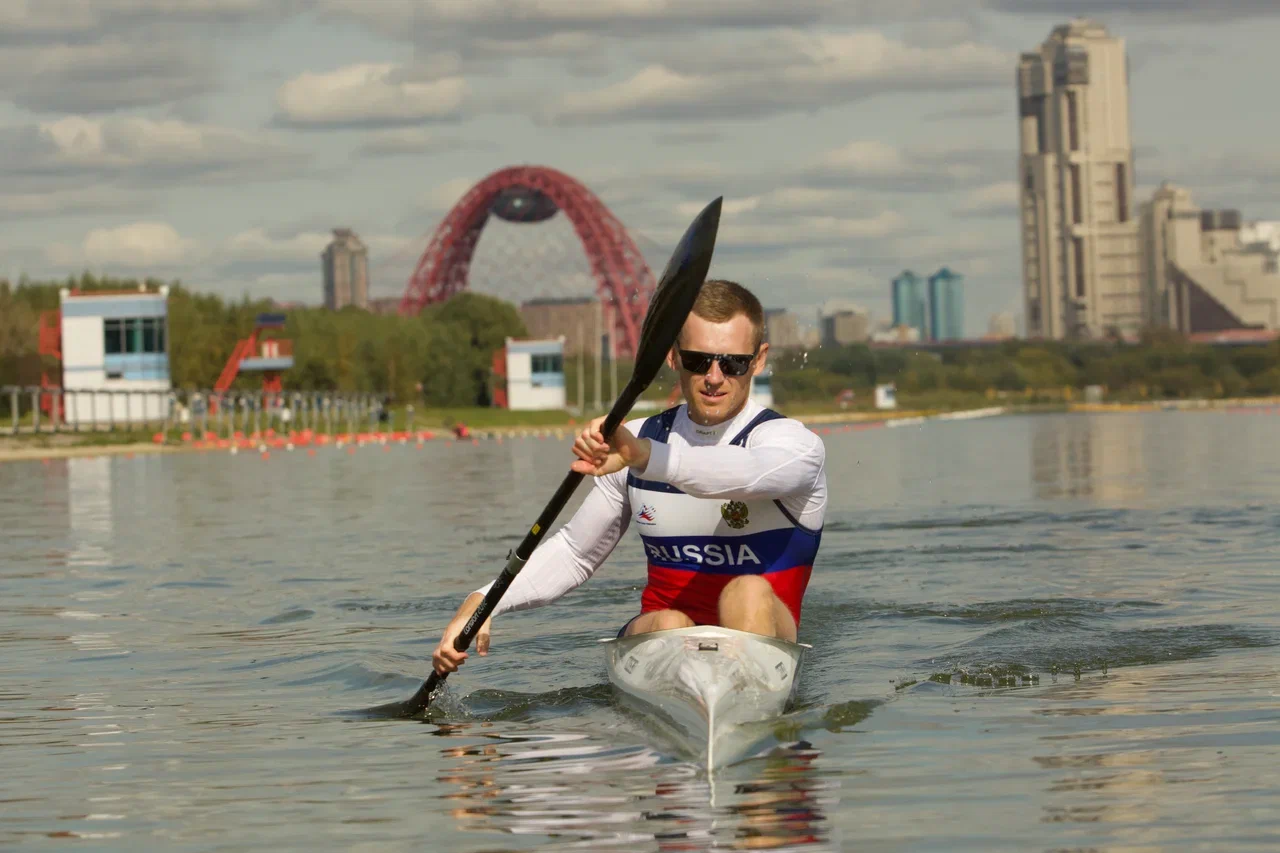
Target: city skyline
column 221, row 145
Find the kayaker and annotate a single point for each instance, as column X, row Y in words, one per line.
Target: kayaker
column 728, row 497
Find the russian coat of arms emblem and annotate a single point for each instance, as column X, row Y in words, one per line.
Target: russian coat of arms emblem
column 735, row 514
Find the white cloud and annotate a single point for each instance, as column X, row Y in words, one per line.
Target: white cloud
column 998, row 200
column 787, row 72
column 920, row 248
column 795, row 218
column 264, row 247
column 106, row 75
column 136, row 246
column 810, row 231
column 412, row 140
column 515, row 24
column 258, row 246
column 370, row 94
column 77, row 19
column 879, row 165
column 1165, row 11
column 442, row 198
column 52, row 203
column 142, row 151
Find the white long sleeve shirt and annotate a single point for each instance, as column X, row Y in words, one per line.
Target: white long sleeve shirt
column 782, row 460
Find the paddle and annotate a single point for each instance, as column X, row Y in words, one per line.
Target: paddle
column 672, row 301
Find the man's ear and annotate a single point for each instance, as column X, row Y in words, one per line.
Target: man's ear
column 761, row 359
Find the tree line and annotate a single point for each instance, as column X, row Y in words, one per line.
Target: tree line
column 1162, row 365
column 443, row 356
column 447, row 349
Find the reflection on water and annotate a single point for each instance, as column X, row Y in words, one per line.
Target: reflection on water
column 1045, row 633
column 1087, row 457
column 586, row 794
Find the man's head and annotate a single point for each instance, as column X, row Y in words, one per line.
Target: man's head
column 727, row 321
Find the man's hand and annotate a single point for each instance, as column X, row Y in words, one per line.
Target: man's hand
column 446, row 658
column 600, row 458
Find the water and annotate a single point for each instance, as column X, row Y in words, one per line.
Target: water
column 1031, row 633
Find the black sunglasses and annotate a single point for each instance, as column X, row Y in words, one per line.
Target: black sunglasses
column 730, row 365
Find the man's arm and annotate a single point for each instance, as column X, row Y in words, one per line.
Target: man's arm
column 560, row 564
column 570, row 557
column 784, row 459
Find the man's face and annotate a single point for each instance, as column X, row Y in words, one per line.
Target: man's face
column 713, row 396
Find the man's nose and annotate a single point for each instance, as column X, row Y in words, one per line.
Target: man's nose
column 714, row 376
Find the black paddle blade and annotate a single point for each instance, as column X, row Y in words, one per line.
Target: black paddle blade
column 675, row 294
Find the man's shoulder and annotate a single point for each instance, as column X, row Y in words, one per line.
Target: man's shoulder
column 784, row 428
column 636, row 423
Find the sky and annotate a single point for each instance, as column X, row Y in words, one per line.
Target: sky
column 219, row 141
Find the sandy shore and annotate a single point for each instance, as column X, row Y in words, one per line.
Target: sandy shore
column 24, row 451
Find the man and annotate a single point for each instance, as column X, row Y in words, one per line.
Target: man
column 729, row 497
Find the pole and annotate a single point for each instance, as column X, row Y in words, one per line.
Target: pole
column 582, row 368
column 597, row 348
column 613, row 357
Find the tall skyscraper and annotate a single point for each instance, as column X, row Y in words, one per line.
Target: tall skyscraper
column 909, row 303
column 946, row 306
column 1082, row 268
column 782, row 329
column 345, row 262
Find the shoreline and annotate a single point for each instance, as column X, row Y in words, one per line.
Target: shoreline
column 25, row 449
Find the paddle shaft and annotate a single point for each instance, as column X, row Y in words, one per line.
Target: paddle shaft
column 517, row 558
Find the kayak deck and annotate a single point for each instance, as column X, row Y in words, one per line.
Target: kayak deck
column 708, row 684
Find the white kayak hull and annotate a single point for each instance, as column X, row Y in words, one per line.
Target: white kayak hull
column 713, row 685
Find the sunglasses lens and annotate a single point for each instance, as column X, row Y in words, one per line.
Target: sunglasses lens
column 696, row 362
column 730, row 365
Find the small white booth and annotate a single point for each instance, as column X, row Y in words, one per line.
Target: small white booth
column 886, row 397
column 115, row 356
column 534, row 374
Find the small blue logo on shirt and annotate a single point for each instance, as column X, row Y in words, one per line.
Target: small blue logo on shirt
column 645, row 515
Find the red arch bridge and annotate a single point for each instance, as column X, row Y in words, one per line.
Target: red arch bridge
column 623, row 281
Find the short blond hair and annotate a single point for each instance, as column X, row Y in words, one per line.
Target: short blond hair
column 720, row 301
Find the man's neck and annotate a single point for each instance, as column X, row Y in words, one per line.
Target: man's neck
column 711, row 433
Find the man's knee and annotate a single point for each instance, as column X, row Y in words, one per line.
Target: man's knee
column 748, row 603
column 659, row 620
column 746, row 589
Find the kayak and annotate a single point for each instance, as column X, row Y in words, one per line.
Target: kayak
column 708, row 685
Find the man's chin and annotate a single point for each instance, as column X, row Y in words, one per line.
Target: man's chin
column 707, row 411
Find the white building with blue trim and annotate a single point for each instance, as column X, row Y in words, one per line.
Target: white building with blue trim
column 115, row 355
column 535, row 374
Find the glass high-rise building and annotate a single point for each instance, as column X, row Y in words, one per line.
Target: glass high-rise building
column 909, row 307
column 946, row 305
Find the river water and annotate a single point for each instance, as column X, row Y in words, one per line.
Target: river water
column 1051, row 633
